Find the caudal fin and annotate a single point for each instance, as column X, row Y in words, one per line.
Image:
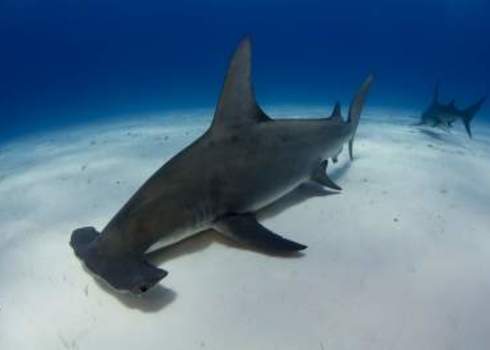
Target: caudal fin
column 356, row 109
column 469, row 113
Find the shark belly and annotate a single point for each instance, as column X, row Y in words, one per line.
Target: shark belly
column 175, row 237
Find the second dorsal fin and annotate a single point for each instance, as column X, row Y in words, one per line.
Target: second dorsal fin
column 237, row 106
column 336, row 113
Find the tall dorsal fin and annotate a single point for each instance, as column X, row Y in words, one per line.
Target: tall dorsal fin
column 336, row 114
column 237, row 106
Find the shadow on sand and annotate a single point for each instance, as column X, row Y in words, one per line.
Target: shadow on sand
column 445, row 137
column 153, row 300
column 438, row 135
column 159, row 296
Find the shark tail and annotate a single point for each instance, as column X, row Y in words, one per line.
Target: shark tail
column 356, row 109
column 469, row 113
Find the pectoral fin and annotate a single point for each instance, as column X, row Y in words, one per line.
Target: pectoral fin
column 244, row 228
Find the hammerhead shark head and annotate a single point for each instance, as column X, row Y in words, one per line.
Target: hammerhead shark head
column 444, row 115
column 242, row 163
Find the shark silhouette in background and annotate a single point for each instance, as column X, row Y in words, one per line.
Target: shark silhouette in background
column 444, row 115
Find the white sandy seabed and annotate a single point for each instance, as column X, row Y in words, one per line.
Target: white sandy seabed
column 399, row 260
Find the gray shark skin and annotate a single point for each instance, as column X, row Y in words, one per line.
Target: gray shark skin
column 242, row 163
column 444, row 115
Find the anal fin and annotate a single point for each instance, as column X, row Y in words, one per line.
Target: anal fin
column 245, row 228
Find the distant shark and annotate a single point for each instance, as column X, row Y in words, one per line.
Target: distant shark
column 242, row 163
column 444, row 115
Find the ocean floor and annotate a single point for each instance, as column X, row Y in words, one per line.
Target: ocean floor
column 399, row 260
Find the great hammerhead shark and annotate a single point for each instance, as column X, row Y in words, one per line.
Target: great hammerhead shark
column 242, row 163
column 444, row 115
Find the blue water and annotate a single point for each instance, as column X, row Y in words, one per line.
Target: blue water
column 64, row 62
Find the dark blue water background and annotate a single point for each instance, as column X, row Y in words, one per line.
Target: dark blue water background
column 72, row 61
